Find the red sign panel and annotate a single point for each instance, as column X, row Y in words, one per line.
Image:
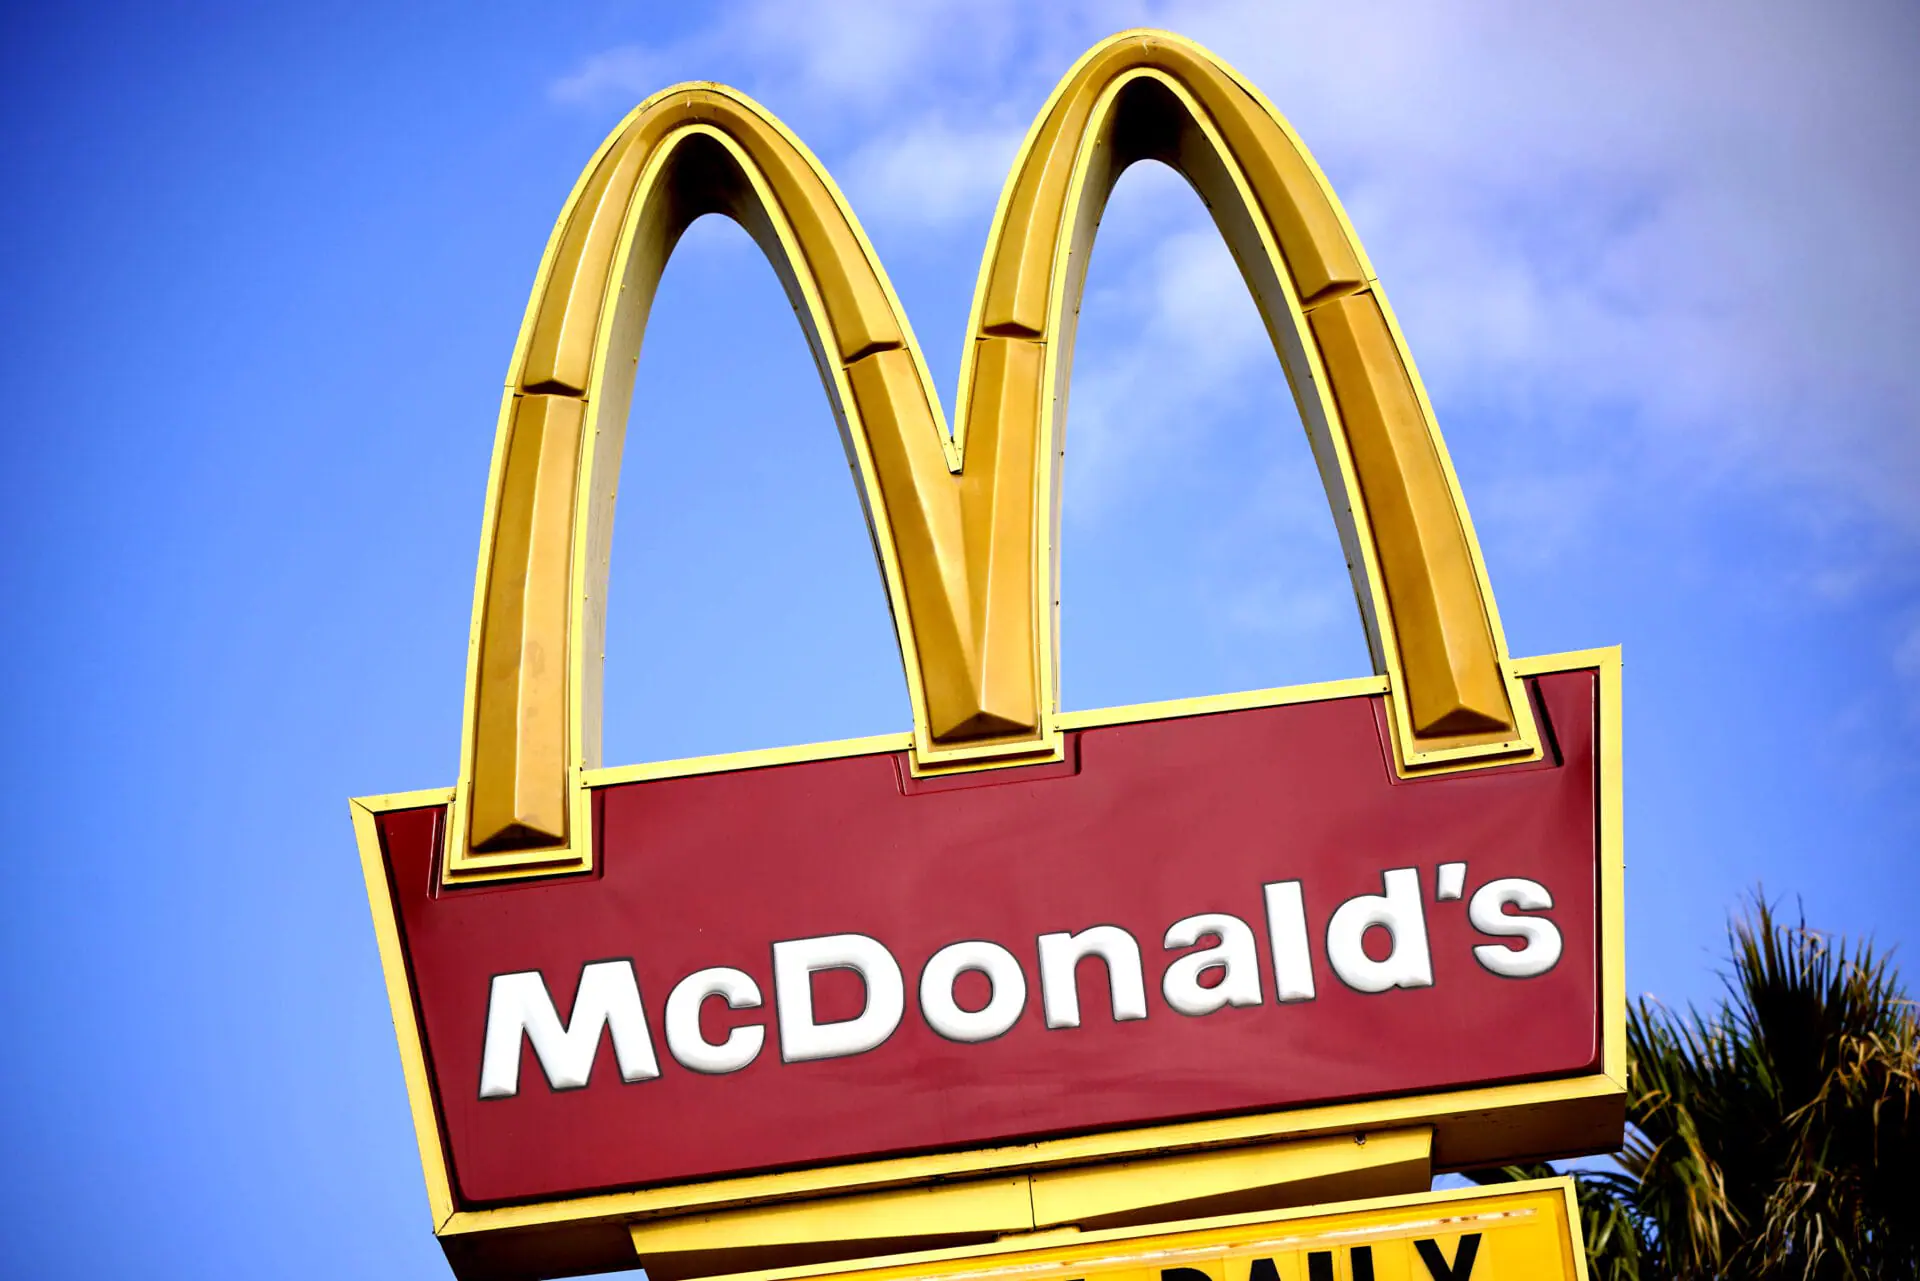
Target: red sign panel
column 1192, row 917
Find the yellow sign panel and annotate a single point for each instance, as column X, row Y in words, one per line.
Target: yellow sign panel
column 1510, row 1232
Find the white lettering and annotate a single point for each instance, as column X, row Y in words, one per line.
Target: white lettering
column 691, row 1049
column 796, row 961
column 1287, row 935
column 1060, row 956
column 1487, row 911
column 520, row 1005
column 1236, row 957
column 1398, row 911
column 1003, row 1008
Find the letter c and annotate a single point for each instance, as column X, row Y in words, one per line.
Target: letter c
column 692, row 1050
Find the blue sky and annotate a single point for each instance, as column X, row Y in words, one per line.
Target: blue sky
column 262, row 273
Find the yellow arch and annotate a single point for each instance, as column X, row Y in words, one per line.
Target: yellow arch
column 965, row 527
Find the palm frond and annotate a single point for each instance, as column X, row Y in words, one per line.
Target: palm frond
column 1772, row 1138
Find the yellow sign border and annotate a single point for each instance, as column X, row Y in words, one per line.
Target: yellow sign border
column 1527, row 1119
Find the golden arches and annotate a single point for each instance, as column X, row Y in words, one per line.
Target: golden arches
column 964, row 526
column 1423, row 593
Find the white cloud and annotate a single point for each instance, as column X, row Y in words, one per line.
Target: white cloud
column 1673, row 243
column 1690, row 223
column 1906, row 665
column 627, row 71
column 932, row 173
column 857, row 56
column 1538, row 517
column 1189, row 332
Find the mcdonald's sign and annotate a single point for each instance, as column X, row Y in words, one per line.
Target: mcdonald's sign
column 1014, row 968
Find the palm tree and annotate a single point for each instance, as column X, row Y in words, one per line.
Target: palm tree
column 1776, row 1137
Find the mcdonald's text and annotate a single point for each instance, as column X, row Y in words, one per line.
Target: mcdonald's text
column 1215, row 966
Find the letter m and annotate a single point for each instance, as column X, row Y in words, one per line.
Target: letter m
column 608, row 998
